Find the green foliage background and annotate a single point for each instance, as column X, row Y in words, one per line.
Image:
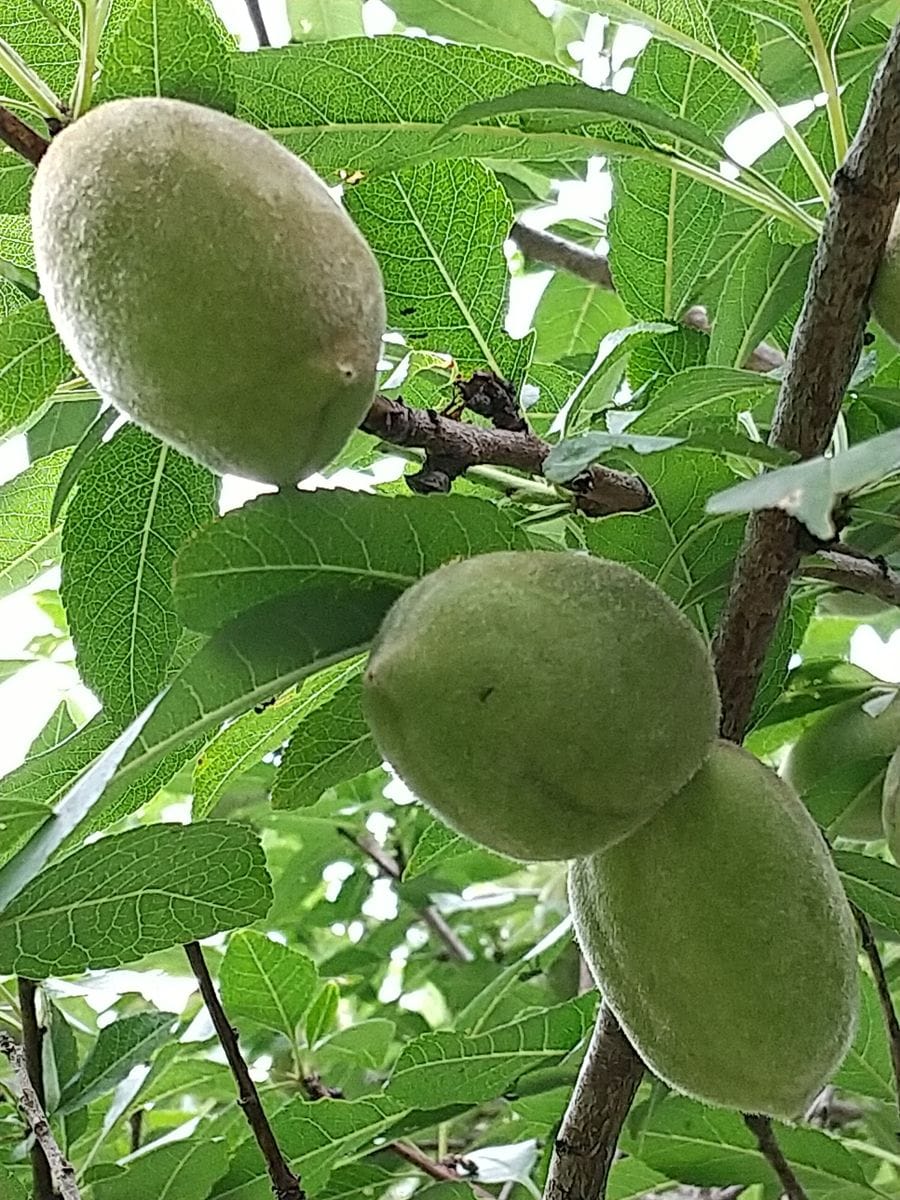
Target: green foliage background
column 431, row 988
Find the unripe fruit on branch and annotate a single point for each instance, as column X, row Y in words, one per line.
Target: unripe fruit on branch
column 850, row 748
column 208, row 285
column 720, row 937
column 544, row 704
column 886, row 292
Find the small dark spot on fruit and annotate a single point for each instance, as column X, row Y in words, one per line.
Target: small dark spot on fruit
column 485, row 693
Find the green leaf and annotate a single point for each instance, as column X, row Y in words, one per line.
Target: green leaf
column 119, row 1048
column 176, row 48
column 10, row 1187
column 134, row 893
column 15, row 183
column 32, row 363
column 323, row 1012
column 18, row 820
column 437, row 232
column 702, row 1146
column 571, row 456
column 301, row 94
column 573, row 317
column 867, row 1070
column 182, row 1170
column 515, row 25
column 245, row 741
column 706, row 399
column 472, row 1068
column 87, row 444
column 873, row 885
column 329, row 745
column 436, row 844
column 630, row 1179
column 46, row 36
column 577, row 104
column 765, row 280
column 63, row 424
column 281, row 543
column 266, row 982
column 324, row 20
column 137, row 501
column 364, row 1044
column 268, row 649
column 28, row 542
column 810, row 490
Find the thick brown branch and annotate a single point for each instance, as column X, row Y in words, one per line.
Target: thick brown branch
column 542, row 247
column 761, row 1128
column 884, row 993
column 389, row 867
column 586, row 1143
column 823, row 354
column 32, row 1044
column 865, row 576
column 21, row 137
column 460, row 445
column 285, row 1184
column 63, row 1185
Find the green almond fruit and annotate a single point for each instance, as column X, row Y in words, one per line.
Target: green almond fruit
column 207, row 283
column 720, row 936
column 543, row 704
column 847, row 749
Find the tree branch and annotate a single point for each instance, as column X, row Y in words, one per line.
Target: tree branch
column 455, row 446
column 285, row 1184
column 761, row 1128
column 540, row 246
column 32, row 1043
column 586, row 1142
column 21, row 137
column 62, row 1184
column 256, row 19
column 884, row 993
column 435, row 1170
column 854, row 573
column 389, row 867
column 824, row 350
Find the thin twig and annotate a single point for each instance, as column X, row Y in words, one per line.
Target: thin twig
column 285, row 1184
column 316, row 1089
column 761, row 1128
column 63, row 1185
column 32, row 1043
column 435, row 1170
column 21, row 137
column 542, row 247
column 884, row 993
column 854, row 573
column 259, row 25
column 389, row 867
column 823, row 354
